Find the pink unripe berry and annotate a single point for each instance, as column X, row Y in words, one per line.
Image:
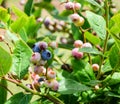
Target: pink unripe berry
column 76, row 53
column 63, row 40
column 35, row 76
column 78, row 44
column 87, row 45
column 53, row 44
column 51, row 74
column 40, row 20
column 55, row 86
column 40, row 70
column 62, row 23
column 77, row 20
column 43, row 45
column 95, row 67
column 2, row 38
column 69, row 6
column 42, row 62
column 35, row 57
column 22, row 2
column 77, row 6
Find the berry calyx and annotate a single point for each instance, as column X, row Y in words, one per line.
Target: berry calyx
column 76, row 53
column 46, row 55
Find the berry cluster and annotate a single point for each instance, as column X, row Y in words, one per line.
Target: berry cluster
column 79, row 44
column 54, row 25
column 76, row 19
column 38, row 72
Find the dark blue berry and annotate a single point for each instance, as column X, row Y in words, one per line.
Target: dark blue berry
column 41, row 79
column 36, row 47
column 46, row 55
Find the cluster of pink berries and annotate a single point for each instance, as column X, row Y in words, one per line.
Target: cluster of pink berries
column 54, row 25
column 79, row 44
column 76, row 18
column 39, row 74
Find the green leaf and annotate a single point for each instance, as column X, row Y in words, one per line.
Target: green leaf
column 31, row 27
column 91, row 38
column 114, row 57
column 3, row 91
column 19, row 98
column 107, row 67
column 82, row 72
column 23, row 34
column 21, row 59
column 28, row 7
column 5, row 62
column 4, row 16
column 110, row 94
column 93, row 2
column 115, row 79
column 18, row 24
column 89, row 71
column 49, row 7
column 114, row 28
column 90, row 50
column 69, row 86
column 98, row 24
column 12, row 36
column 1, row 2
column 18, row 12
column 76, row 32
column 115, row 24
column 77, row 64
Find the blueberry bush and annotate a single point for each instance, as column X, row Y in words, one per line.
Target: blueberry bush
column 71, row 56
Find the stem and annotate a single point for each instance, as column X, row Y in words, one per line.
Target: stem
column 10, row 49
column 107, row 36
column 6, row 89
column 50, row 97
column 83, row 31
column 107, row 24
column 90, row 60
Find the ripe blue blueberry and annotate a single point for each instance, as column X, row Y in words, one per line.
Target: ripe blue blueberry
column 46, row 55
column 36, row 47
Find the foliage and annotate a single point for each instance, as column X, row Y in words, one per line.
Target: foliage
column 69, row 57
